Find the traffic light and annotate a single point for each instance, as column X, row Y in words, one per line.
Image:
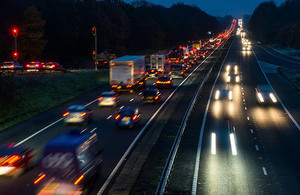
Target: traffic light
column 94, row 55
column 94, row 31
column 15, row 32
column 15, row 55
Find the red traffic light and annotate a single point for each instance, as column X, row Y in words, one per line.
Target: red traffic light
column 15, row 32
column 94, row 31
column 15, row 54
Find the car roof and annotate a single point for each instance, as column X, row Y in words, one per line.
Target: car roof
column 108, row 93
column 232, row 74
column 6, row 150
column 264, row 87
column 128, row 108
column 70, row 139
column 224, row 87
column 77, row 106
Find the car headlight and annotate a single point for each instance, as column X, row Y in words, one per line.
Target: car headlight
column 260, row 97
column 244, row 48
column 235, row 68
column 228, row 68
column 230, row 95
column 228, row 78
column 217, row 95
column 273, row 98
column 237, row 79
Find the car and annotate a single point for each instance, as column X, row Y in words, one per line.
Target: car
column 14, row 161
column 10, row 66
column 127, row 117
column 223, row 92
column 34, row 66
column 152, row 73
column 79, row 114
column 151, row 95
column 108, row 98
column 246, row 47
column 265, row 94
column 164, row 82
column 70, row 163
column 232, row 67
column 177, row 71
column 233, row 77
column 52, row 66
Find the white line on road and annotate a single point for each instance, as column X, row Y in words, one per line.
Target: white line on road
column 244, row 100
column 256, row 147
column 232, row 143
column 251, row 130
column 245, row 108
column 91, row 102
column 264, row 170
column 279, row 56
column 131, row 99
column 248, row 118
column 121, row 107
column 109, row 117
column 140, row 93
column 93, row 130
column 213, row 143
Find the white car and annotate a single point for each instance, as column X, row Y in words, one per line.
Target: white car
column 233, row 78
column 265, row 94
column 77, row 114
column 246, row 47
column 108, row 98
column 223, row 92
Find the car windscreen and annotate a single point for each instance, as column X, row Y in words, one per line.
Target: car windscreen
column 149, row 93
column 164, row 79
column 76, row 109
column 107, row 95
column 126, row 112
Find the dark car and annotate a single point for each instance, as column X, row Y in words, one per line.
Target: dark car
column 265, row 94
column 152, row 73
column 34, row 66
column 52, row 66
column 10, row 66
column 164, row 82
column 70, row 163
column 177, row 71
column 78, row 114
column 151, row 96
column 15, row 160
column 128, row 117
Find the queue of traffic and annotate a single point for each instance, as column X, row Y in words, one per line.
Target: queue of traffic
column 33, row 66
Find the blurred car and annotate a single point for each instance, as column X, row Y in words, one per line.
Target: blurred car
column 10, row 66
column 151, row 96
column 108, row 98
column 34, row 66
column 232, row 67
column 233, row 78
column 223, row 92
column 77, row 114
column 15, row 160
column 210, row 47
column 70, row 164
column 152, row 73
column 265, row 94
column 246, row 47
column 52, row 66
column 177, row 71
column 164, row 82
column 127, row 117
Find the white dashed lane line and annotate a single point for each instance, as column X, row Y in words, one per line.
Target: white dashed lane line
column 93, row 129
column 248, row 118
column 121, row 107
column 256, row 147
column 251, row 130
column 109, row 117
column 131, row 99
column 264, row 170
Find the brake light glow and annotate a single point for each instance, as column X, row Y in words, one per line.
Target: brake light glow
column 114, row 86
column 11, row 66
column 168, row 82
column 83, row 114
column 66, row 114
column 128, row 86
column 37, row 65
column 100, row 98
column 134, row 117
column 156, row 97
column 117, row 117
column 114, row 98
column 79, row 179
column 158, row 82
column 27, row 65
column 112, row 64
column 39, row 179
column 170, row 72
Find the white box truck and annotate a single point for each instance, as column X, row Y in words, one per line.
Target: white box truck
column 127, row 73
column 157, row 61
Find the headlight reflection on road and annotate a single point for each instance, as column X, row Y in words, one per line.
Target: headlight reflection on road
column 232, row 143
column 213, row 143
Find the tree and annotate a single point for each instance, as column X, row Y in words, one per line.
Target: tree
column 32, row 40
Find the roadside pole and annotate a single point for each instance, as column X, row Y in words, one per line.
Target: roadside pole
column 95, row 53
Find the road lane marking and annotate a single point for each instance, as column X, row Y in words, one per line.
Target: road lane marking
column 196, row 169
column 109, row 117
column 244, row 100
column 140, row 93
column 131, row 99
column 256, row 147
column 243, row 93
column 93, row 130
column 245, row 108
column 121, row 107
column 43, row 129
column 114, row 171
column 91, row 102
column 264, row 170
column 248, row 118
column 286, row 110
column 251, row 130
column 213, row 143
column 232, row 143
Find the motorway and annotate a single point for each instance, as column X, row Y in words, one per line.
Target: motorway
column 37, row 131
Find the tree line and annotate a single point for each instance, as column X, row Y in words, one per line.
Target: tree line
column 277, row 25
column 60, row 30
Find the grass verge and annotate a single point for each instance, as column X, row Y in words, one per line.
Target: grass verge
column 24, row 96
column 292, row 75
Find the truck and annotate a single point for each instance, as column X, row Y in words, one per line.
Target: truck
column 157, row 61
column 127, row 73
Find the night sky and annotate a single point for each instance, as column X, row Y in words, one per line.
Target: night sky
column 236, row 8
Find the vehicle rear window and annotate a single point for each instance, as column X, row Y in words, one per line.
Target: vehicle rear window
column 7, row 63
column 126, row 112
column 149, row 93
column 107, row 95
column 77, row 109
column 164, row 79
column 178, row 68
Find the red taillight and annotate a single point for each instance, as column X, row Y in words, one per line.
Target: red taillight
column 83, row 114
column 11, row 66
column 181, row 73
column 100, row 98
column 117, row 117
column 39, row 179
column 134, row 117
column 170, row 61
column 158, row 82
column 177, row 61
column 79, row 179
column 12, row 159
column 168, row 82
column 37, row 65
column 66, row 114
column 27, row 65
column 114, row 98
column 141, row 83
column 128, row 86
column 195, row 59
column 170, row 72
column 114, row 86
column 156, row 97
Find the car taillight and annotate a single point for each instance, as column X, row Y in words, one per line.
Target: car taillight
column 170, row 61
column 114, row 86
column 156, row 97
column 158, row 82
column 114, row 98
column 12, row 159
column 37, row 65
column 83, row 114
column 170, row 72
column 181, row 72
column 11, row 66
column 134, row 117
column 79, row 179
column 66, row 114
column 141, row 83
column 168, row 82
column 128, row 86
column 177, row 61
column 27, row 65
column 117, row 117
column 100, row 98
column 39, row 179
